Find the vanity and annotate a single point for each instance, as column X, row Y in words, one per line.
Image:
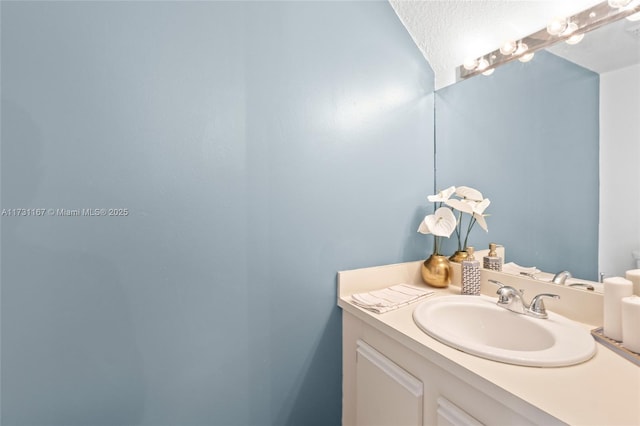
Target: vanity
column 396, row 374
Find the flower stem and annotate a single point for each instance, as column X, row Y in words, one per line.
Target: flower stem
column 436, row 246
column 459, row 230
column 472, row 221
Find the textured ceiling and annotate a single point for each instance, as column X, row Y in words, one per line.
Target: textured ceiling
column 450, row 31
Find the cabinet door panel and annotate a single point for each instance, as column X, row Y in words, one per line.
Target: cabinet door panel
column 452, row 415
column 386, row 394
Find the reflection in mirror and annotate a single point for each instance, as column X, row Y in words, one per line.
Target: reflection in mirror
column 527, row 138
column 570, row 29
column 533, row 137
column 609, row 48
column 614, row 52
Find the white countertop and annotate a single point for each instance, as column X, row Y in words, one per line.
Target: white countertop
column 602, row 391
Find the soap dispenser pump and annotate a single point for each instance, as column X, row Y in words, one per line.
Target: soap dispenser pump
column 470, row 274
column 492, row 260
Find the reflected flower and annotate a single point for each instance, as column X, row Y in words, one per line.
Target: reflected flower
column 468, row 193
column 460, row 205
column 443, row 195
column 481, row 221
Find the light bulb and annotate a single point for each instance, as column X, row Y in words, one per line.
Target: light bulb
column 571, row 28
column 489, row 72
column 575, row 39
column 508, row 47
column 482, row 64
column 522, row 47
column 526, row 58
column 470, row 64
column 557, row 26
column 619, row 3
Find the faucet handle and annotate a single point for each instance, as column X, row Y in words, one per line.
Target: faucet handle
column 537, row 309
column 561, row 277
column 504, row 292
column 496, row 282
column 502, row 298
column 507, row 294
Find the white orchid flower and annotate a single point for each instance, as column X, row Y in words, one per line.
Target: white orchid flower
column 480, row 207
column 423, row 229
column 469, row 193
column 469, row 206
column 480, row 221
column 460, row 205
column 441, row 224
column 443, row 195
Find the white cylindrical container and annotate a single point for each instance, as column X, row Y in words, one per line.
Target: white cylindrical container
column 631, row 323
column 615, row 288
column 634, row 276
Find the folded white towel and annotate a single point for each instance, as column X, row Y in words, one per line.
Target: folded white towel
column 515, row 269
column 390, row 298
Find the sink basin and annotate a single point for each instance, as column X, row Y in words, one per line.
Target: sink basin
column 476, row 325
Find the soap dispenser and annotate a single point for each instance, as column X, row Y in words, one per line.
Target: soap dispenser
column 492, row 260
column 470, row 274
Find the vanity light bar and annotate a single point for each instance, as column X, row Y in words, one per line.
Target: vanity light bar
column 587, row 20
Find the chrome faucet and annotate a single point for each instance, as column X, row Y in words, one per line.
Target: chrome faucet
column 512, row 299
column 561, row 277
column 537, row 309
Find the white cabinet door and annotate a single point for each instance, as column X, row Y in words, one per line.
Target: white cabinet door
column 386, row 395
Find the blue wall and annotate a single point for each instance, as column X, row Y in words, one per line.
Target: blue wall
column 527, row 137
column 259, row 147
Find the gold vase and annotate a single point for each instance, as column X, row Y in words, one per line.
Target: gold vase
column 458, row 256
column 436, row 271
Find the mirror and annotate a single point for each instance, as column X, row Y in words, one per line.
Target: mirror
column 613, row 51
column 530, row 137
